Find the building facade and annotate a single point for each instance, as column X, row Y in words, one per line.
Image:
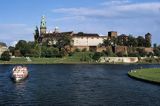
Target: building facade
column 90, row 41
column 3, row 48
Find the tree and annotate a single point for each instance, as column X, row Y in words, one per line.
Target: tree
column 24, row 47
column 6, row 56
column 157, row 52
column 36, row 34
column 148, row 40
column 63, row 41
column 96, row 56
column 11, row 49
column 106, row 42
column 132, row 42
column 141, row 41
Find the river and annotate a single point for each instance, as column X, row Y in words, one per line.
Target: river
column 78, row 85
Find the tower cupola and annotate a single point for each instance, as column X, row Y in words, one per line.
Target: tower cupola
column 43, row 25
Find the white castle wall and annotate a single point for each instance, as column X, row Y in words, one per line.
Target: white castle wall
column 119, row 59
column 87, row 41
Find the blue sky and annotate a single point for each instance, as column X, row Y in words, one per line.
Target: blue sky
column 19, row 17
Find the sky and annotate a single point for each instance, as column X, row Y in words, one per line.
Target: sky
column 18, row 18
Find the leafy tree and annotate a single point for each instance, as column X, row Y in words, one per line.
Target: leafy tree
column 36, row 34
column 11, row 49
column 106, row 42
column 6, row 56
column 147, row 43
column 96, row 56
column 155, row 45
column 157, row 52
column 141, row 41
column 63, row 41
column 148, row 40
column 23, row 47
column 132, row 42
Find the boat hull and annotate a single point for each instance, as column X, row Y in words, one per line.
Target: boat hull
column 19, row 73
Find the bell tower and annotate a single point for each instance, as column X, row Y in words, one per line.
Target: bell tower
column 43, row 26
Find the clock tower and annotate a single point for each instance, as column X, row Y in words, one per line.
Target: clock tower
column 43, row 26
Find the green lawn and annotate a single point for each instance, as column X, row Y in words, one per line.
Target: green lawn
column 75, row 58
column 152, row 75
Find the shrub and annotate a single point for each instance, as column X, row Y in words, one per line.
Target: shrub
column 96, row 56
column 77, row 50
column 84, row 50
column 6, row 56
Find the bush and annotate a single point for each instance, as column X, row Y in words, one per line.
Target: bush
column 85, row 57
column 77, row 50
column 84, row 50
column 96, row 56
column 6, row 56
column 71, row 54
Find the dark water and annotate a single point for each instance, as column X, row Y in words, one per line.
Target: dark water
column 78, row 85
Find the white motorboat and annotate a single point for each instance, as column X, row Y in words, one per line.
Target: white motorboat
column 19, row 73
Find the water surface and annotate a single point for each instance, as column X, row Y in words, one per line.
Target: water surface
column 78, row 85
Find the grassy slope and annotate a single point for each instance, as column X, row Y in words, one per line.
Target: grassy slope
column 68, row 59
column 152, row 75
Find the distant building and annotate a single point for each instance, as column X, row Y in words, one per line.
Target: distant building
column 3, row 48
column 112, row 34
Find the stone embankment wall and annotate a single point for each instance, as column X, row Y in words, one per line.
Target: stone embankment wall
column 118, row 59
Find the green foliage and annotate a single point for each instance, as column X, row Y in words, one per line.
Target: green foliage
column 141, row 52
column 132, row 41
column 62, row 53
column 11, row 49
column 84, row 50
column 133, row 54
column 141, row 41
column 22, row 46
column 77, row 50
column 97, row 56
column 49, row 52
column 86, row 57
column 121, row 54
column 106, row 42
column 64, row 40
column 157, row 51
column 6, row 56
column 36, row 34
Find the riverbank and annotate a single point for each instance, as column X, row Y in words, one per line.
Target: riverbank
column 151, row 75
column 78, row 58
column 65, row 60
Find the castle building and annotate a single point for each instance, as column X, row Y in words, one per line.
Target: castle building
column 80, row 40
column 89, row 41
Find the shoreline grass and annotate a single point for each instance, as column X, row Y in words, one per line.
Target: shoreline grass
column 151, row 75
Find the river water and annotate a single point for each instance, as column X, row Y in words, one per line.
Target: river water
column 78, row 85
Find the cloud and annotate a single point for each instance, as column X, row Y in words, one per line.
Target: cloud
column 124, row 16
column 14, row 32
column 115, row 2
column 123, row 10
column 13, row 43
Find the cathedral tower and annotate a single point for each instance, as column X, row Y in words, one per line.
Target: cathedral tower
column 43, row 26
